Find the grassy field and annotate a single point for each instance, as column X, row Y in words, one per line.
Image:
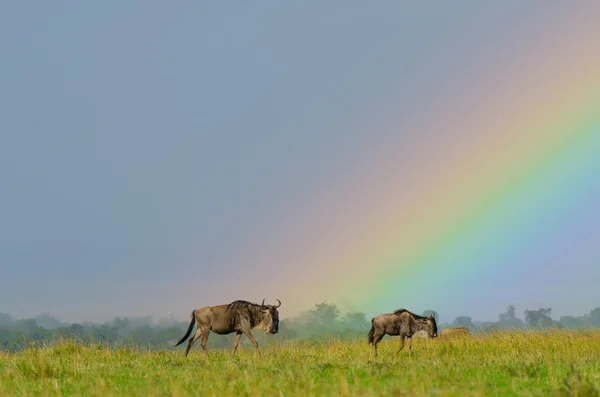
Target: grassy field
column 559, row 363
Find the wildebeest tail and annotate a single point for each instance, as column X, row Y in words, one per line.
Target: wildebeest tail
column 189, row 331
column 371, row 335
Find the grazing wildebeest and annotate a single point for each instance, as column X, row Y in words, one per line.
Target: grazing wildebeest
column 238, row 316
column 403, row 323
column 456, row 331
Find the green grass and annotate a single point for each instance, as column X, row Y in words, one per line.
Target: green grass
column 554, row 363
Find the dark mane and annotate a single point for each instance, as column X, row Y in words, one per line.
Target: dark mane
column 239, row 304
column 400, row 311
column 253, row 310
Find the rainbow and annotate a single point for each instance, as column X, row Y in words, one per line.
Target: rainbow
column 490, row 211
column 479, row 198
column 489, row 222
column 499, row 226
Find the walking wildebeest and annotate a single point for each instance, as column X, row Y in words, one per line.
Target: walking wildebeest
column 456, row 331
column 403, row 323
column 238, row 316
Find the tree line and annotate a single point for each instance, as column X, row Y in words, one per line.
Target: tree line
column 324, row 320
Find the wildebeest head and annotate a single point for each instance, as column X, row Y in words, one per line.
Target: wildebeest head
column 429, row 325
column 271, row 317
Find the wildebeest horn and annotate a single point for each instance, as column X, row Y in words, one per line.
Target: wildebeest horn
column 278, row 304
column 431, row 314
column 263, row 302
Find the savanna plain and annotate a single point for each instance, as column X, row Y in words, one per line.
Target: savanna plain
column 524, row 363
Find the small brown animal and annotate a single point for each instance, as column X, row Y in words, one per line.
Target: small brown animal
column 403, row 323
column 421, row 334
column 238, row 316
column 456, row 331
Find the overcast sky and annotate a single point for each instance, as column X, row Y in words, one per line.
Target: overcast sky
column 146, row 147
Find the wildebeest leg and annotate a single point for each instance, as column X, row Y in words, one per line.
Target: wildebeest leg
column 249, row 335
column 401, row 345
column 203, row 341
column 193, row 340
column 376, row 339
column 236, row 341
column 409, row 346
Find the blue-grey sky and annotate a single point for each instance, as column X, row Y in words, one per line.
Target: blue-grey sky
column 149, row 149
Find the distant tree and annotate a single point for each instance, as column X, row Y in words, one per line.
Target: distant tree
column 511, row 314
column 4, row 337
column 122, row 324
column 35, row 333
column 143, row 335
column 594, row 317
column 572, row 322
column 303, row 317
column 47, row 321
column 509, row 320
column 71, row 331
column 539, row 318
column 105, row 333
column 356, row 320
column 26, row 324
column 12, row 339
column 325, row 313
column 488, row 326
column 169, row 335
column 463, row 321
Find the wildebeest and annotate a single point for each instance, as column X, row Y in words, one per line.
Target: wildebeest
column 456, row 331
column 403, row 323
column 238, row 316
